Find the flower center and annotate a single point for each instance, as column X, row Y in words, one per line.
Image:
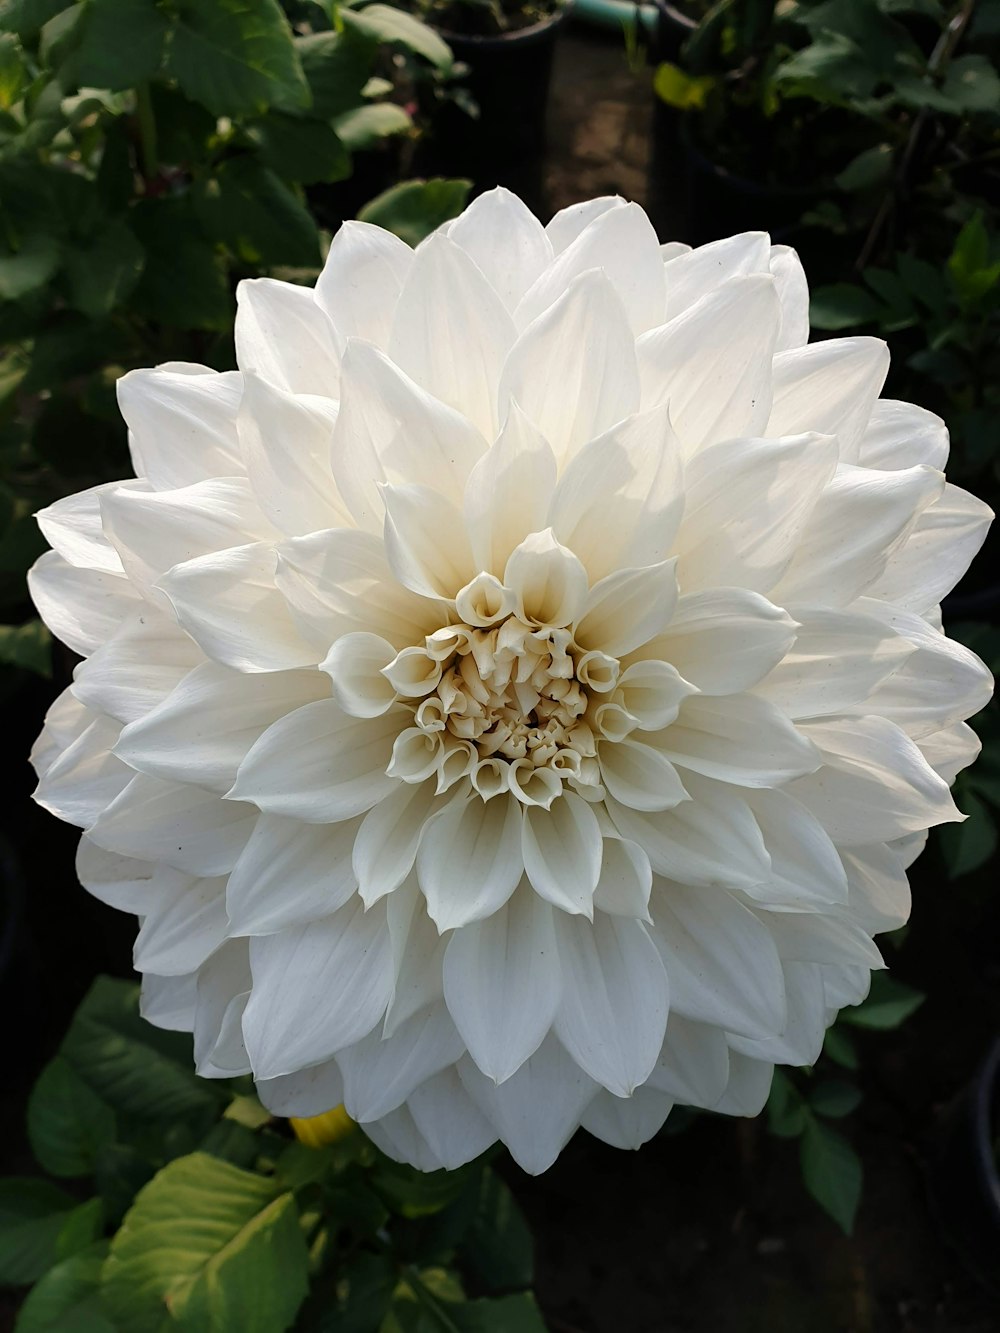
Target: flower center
column 506, row 704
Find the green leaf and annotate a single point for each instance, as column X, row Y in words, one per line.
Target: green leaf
column 37, row 1221
column 102, row 275
column 28, row 268
column 25, row 17
column 242, row 1269
column 13, row 73
column 832, row 1172
column 680, row 89
column 67, row 1298
column 972, row 84
column 413, row 209
column 336, row 65
column 256, row 216
column 299, row 149
column 868, row 170
column 969, row 266
column 121, row 44
column 786, row 1116
column 498, row 1245
column 236, row 57
column 415, row 1193
column 509, row 1314
column 889, row 1003
column 841, row 306
column 366, row 126
column 137, row 1069
column 183, row 283
column 840, row 1048
column 969, row 846
column 834, row 1097
column 397, row 27
column 28, row 646
column 68, row 1123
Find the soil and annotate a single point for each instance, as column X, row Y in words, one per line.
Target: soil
column 707, row 1230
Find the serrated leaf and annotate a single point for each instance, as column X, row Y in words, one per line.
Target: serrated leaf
column 29, row 267
column 28, row 646
column 121, row 44
column 841, row 306
column 67, row 1299
column 413, row 209
column 236, row 58
column 102, row 275
column 256, row 216
column 832, row 1173
column 68, row 1123
column 137, row 1069
column 889, row 1003
column 242, row 1269
column 36, row 1220
column 396, row 26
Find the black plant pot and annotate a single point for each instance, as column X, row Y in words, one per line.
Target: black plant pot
column 509, row 79
column 965, row 1179
column 673, row 28
column 719, row 202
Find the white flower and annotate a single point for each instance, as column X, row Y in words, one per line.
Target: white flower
column 511, row 701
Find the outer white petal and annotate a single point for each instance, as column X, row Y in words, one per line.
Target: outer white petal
column 951, row 750
column 943, row 543
column 86, row 777
column 626, row 879
column 837, row 660
column 284, row 335
column 875, row 784
column 615, row 998
column 386, row 845
column 723, row 640
column 569, row 222
column 469, row 860
column 859, row 521
column 627, row 1122
column 380, row 1073
column 736, row 738
column 399, row 1138
column 506, row 240
column 361, row 281
column 183, row 826
column 417, row 954
column 803, row 937
column 562, row 849
column 451, row 332
column 793, row 293
column 316, row 989
column 508, row 491
column 802, row 1040
column 879, row 889
column 711, row 839
column 621, row 243
column 230, row 606
column 749, row 502
column 319, row 764
column 806, row 868
column 902, row 435
column 290, row 873
column 425, row 541
column 184, row 923
column 72, row 527
column 619, row 502
column 119, row 881
column 626, row 609
column 830, row 387
column 502, row 983
column 693, row 1067
column 202, row 731
column 82, row 607
column 712, row 363
column 169, row 1002
column 449, row 1120
column 537, row 1110
column 137, row 667
column 749, row 1086
column 339, row 582
column 305, row 1092
column 573, row 369
column 722, row 962
column 285, row 441
column 693, row 275
column 222, row 993
column 182, row 424
column 389, row 429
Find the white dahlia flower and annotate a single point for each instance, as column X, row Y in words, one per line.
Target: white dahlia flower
column 511, row 700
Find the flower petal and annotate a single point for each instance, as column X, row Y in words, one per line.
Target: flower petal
column 627, row 1122
column 506, row 240
column 82, row 607
column 73, row 528
column 628, row 608
column 793, row 293
column 570, row 222
column 508, row 491
column 900, row 435
column 425, row 541
column 387, row 841
column 182, row 424
column 639, row 776
column 705, row 269
column 135, row 670
column 469, row 860
column 736, row 738
column 830, row 387
column 693, row 1067
column 185, row 923
column 548, row 580
column 361, row 281
column 283, row 334
column 86, row 777
column 380, row 1073
column 562, row 849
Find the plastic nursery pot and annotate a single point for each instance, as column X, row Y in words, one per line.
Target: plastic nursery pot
column 965, row 1172
column 509, row 78
column 720, row 202
column 673, row 28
